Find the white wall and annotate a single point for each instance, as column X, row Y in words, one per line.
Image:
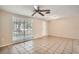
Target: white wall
column 44, row 28
column 5, row 29
column 65, row 27
column 40, row 28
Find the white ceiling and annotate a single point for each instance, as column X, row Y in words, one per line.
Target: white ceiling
column 57, row 11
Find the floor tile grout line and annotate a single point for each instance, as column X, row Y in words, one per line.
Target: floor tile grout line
column 55, row 43
column 25, row 49
column 65, row 46
column 17, row 50
column 58, row 46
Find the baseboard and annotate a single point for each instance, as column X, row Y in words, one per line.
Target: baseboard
column 6, row 45
column 62, row 37
column 40, row 37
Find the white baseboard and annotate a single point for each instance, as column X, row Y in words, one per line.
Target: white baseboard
column 69, row 37
column 6, row 45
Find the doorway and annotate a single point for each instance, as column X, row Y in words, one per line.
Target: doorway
column 22, row 29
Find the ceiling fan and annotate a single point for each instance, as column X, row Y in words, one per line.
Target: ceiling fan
column 39, row 11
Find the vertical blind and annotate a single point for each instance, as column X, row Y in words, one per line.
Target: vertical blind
column 22, row 28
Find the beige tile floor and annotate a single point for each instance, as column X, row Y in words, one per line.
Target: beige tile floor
column 45, row 45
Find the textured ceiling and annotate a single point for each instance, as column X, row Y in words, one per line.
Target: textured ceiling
column 57, row 11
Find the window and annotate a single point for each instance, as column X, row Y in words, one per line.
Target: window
column 22, row 28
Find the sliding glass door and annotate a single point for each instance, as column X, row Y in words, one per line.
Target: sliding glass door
column 22, row 29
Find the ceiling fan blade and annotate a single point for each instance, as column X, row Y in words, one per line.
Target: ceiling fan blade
column 41, row 13
column 38, row 8
column 44, row 10
column 33, row 13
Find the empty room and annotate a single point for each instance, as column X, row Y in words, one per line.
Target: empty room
column 39, row 29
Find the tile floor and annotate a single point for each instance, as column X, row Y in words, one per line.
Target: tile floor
column 45, row 45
